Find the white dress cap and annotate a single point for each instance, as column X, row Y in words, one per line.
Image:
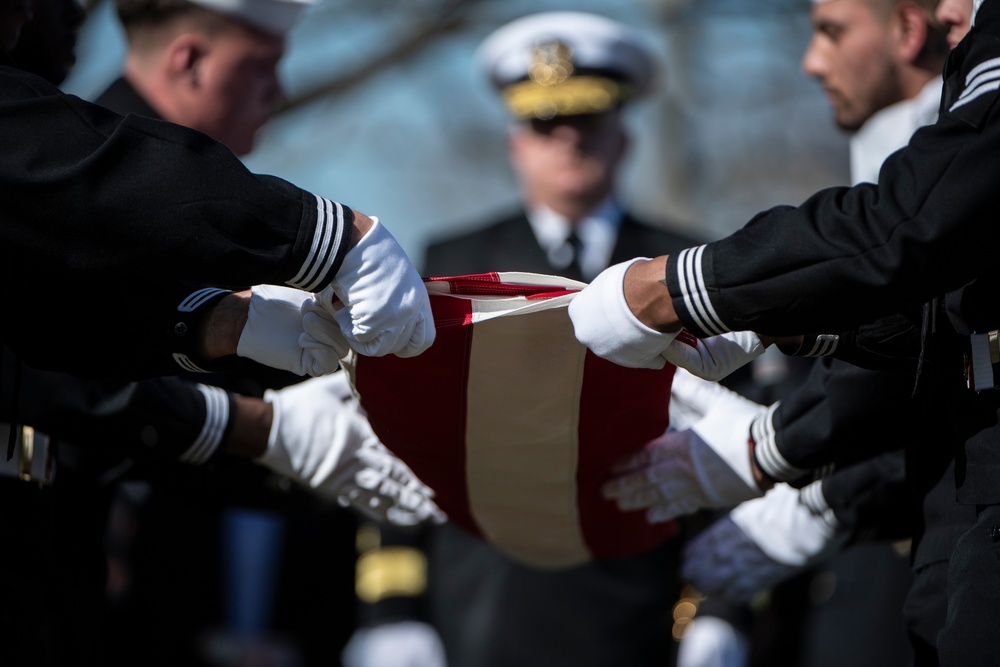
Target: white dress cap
column 588, row 52
column 274, row 16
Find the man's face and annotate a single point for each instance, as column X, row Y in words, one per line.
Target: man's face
column 955, row 15
column 568, row 157
column 851, row 54
column 237, row 86
column 13, row 15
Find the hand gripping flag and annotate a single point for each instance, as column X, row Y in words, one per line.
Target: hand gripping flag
column 514, row 424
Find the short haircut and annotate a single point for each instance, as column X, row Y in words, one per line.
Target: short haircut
column 936, row 48
column 145, row 16
column 885, row 7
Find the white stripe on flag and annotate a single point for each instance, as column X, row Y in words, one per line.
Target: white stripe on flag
column 541, row 523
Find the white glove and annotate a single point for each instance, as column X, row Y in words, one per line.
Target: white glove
column 787, row 529
column 691, row 398
column 715, row 357
column 705, row 466
column 274, row 333
column 712, row 642
column 604, row 323
column 383, row 305
column 400, row 644
column 762, row 543
column 327, row 445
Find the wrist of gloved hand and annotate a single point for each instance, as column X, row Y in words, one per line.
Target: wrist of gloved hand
column 378, row 300
column 715, row 357
column 723, row 462
column 786, row 529
column 760, row 544
column 723, row 561
column 603, row 321
column 706, row 466
column 691, row 398
column 328, row 446
column 274, row 334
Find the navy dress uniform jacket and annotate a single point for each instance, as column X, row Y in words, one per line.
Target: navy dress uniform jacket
column 510, row 245
column 100, row 210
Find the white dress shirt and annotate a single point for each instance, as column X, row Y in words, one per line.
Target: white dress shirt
column 597, row 232
column 890, row 129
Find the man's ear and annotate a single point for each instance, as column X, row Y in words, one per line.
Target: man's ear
column 911, row 23
column 184, row 56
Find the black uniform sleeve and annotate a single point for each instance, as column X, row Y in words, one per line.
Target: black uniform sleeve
column 163, row 417
column 872, row 498
column 889, row 343
column 850, row 255
column 841, row 414
column 98, row 207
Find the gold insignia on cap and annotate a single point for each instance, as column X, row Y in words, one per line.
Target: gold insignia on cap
column 553, row 87
column 551, row 63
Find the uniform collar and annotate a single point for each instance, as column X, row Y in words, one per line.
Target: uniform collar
column 122, row 97
column 597, row 231
column 890, row 129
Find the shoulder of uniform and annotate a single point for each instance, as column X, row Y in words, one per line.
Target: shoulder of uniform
column 493, row 226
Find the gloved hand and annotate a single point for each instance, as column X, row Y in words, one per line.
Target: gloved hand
column 274, row 333
column 604, row 323
column 705, row 466
column 760, row 544
column 715, row 357
column 691, row 398
column 710, row 641
column 378, row 300
column 400, row 644
column 327, row 445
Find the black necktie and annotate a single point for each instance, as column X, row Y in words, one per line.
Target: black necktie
column 574, row 270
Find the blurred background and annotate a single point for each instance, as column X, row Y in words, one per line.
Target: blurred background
column 388, row 113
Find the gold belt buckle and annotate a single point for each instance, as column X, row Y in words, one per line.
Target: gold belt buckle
column 33, row 461
column 27, row 453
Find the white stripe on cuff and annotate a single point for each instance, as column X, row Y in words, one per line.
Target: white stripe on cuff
column 824, row 345
column 185, row 362
column 766, row 448
column 327, row 237
column 812, row 497
column 694, row 293
column 197, row 298
column 216, row 419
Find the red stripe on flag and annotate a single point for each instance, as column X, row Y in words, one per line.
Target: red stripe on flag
column 426, row 427
column 608, row 531
column 491, row 277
